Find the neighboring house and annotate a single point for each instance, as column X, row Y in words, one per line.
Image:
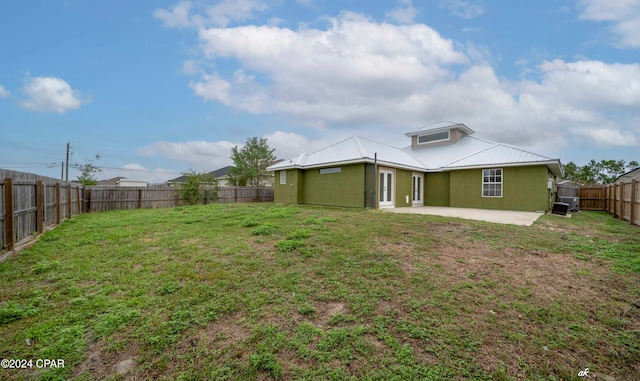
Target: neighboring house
column 122, row 182
column 109, row 182
column 132, row 183
column 631, row 175
column 222, row 175
column 444, row 166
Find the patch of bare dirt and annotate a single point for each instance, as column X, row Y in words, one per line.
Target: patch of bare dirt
column 101, row 363
column 227, row 331
column 326, row 310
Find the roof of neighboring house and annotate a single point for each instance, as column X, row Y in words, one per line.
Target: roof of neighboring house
column 218, row 173
column 113, row 181
column 468, row 152
column 632, row 174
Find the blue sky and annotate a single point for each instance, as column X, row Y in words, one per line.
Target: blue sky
column 160, row 87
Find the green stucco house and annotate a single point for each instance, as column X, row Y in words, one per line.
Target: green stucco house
column 444, row 166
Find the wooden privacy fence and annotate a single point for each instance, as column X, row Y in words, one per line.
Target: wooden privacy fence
column 101, row 199
column 29, row 204
column 592, row 197
column 623, row 201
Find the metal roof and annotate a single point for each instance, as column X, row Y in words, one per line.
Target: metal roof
column 468, row 152
column 355, row 149
column 440, row 127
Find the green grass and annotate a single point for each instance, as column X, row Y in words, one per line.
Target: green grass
column 265, row 291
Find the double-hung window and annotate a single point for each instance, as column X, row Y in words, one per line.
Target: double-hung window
column 283, row 177
column 492, row 182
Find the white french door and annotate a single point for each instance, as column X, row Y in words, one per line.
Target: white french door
column 385, row 189
column 417, row 185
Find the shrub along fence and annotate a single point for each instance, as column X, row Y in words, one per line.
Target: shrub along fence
column 31, row 204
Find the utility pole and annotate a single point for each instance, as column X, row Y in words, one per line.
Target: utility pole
column 68, row 147
column 62, row 173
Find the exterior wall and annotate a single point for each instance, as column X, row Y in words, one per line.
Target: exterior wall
column 344, row 188
column 291, row 192
column 370, row 186
column 403, row 188
column 523, row 188
column 436, row 189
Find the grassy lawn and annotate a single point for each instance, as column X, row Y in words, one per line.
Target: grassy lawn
column 264, row 291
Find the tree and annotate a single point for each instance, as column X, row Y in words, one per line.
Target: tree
column 598, row 172
column 250, row 162
column 198, row 186
column 87, row 171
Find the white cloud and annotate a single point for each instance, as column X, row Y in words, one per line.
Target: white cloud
column 178, row 17
column 4, row 92
column 467, row 9
column 405, row 13
column 290, row 144
column 191, row 67
column 348, row 72
column 198, row 155
column 608, row 136
column 227, row 11
column 51, row 94
column 220, row 14
column 624, row 16
column 357, row 75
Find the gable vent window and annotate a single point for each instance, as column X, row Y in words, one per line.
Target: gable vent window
column 492, row 182
column 432, row 138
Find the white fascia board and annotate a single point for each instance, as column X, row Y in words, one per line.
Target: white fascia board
column 549, row 164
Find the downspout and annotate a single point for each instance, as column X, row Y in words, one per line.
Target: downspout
column 375, row 181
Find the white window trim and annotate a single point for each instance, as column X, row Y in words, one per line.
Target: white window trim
column 501, row 183
column 283, row 177
column 436, row 141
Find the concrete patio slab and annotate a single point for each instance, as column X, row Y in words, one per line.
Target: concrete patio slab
column 509, row 217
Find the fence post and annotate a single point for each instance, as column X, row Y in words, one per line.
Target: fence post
column 615, row 186
column 235, row 194
column 79, row 201
column 604, row 198
column 139, row 198
column 621, row 186
column 68, row 200
column 8, row 213
column 39, row 206
column 58, row 217
column 632, row 215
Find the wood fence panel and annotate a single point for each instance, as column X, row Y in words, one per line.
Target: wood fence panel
column 592, row 198
column 2, row 212
column 635, row 203
column 25, row 210
column 49, row 204
column 8, row 215
column 30, row 203
column 625, row 201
